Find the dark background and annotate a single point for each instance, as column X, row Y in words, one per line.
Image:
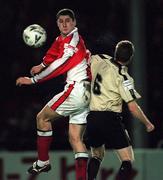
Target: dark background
column 102, row 25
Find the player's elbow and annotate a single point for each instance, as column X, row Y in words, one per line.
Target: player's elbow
column 132, row 106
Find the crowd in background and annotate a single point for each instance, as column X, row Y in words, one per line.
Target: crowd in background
column 102, row 26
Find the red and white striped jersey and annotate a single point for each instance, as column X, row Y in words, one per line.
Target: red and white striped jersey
column 68, row 55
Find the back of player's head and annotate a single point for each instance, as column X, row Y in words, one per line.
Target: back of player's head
column 124, row 51
column 66, row 12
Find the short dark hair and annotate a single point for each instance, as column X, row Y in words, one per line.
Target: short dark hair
column 66, row 11
column 124, row 51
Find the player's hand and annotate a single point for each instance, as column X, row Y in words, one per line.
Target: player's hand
column 150, row 127
column 36, row 69
column 23, row 81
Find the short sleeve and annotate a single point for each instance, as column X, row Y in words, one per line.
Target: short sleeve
column 127, row 90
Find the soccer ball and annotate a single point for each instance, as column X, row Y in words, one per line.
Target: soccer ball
column 34, row 35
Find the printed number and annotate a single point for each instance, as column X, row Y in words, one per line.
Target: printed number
column 96, row 87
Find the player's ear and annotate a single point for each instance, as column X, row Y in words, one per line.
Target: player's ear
column 57, row 23
column 74, row 22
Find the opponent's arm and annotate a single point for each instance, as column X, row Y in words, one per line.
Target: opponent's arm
column 138, row 113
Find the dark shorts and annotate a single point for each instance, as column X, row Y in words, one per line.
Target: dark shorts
column 106, row 128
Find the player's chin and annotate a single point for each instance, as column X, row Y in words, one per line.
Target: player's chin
column 65, row 32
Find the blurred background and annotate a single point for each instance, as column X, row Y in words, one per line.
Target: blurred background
column 102, row 25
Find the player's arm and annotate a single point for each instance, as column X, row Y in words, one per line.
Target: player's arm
column 50, row 56
column 48, row 59
column 73, row 54
column 37, row 69
column 57, row 67
column 138, row 113
column 47, row 73
column 23, row 81
column 130, row 95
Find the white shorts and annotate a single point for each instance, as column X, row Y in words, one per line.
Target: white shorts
column 73, row 102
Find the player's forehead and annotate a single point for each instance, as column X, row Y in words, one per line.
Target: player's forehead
column 64, row 17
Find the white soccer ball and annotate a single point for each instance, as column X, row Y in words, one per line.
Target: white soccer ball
column 34, row 35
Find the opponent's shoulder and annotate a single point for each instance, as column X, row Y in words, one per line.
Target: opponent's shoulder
column 100, row 57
